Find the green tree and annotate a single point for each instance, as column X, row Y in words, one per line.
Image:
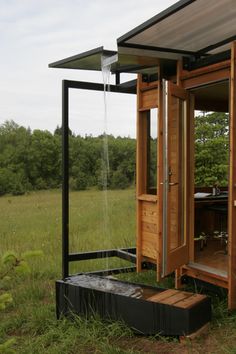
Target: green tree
column 211, row 149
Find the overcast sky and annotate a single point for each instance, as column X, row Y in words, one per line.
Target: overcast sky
column 35, row 33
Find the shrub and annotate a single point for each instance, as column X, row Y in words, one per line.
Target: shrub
column 119, row 180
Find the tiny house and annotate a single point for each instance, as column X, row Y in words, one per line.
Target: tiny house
column 185, row 61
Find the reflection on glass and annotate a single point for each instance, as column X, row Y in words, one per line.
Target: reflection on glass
column 152, row 151
column 177, row 159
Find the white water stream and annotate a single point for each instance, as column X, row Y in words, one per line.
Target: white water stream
column 106, row 73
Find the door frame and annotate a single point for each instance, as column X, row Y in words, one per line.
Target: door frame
column 172, row 259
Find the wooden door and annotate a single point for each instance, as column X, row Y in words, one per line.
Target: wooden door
column 175, row 243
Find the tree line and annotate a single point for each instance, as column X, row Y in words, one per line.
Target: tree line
column 31, row 160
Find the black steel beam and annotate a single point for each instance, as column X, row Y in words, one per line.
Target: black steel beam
column 65, row 178
column 82, row 256
column 126, row 255
column 84, row 85
column 117, row 78
column 216, row 45
column 66, row 257
column 129, row 84
column 129, row 249
column 189, row 64
column 114, row 271
column 133, row 69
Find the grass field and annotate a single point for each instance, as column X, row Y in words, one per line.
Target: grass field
column 33, row 222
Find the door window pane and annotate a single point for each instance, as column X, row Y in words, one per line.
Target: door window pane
column 152, row 130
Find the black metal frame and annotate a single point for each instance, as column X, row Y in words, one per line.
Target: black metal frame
column 123, row 253
column 189, row 64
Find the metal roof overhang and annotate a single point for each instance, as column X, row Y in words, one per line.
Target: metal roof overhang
column 92, row 60
column 189, row 27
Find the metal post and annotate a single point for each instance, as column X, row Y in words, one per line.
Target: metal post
column 117, row 78
column 65, row 183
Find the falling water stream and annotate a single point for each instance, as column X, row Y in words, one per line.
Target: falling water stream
column 106, row 73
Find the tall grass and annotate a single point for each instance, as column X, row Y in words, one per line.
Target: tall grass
column 33, row 222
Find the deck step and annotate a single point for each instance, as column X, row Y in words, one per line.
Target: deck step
column 177, row 298
column 146, row 309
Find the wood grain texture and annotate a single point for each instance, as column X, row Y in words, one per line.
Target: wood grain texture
column 160, row 176
column 146, row 222
column 232, row 185
column 177, row 298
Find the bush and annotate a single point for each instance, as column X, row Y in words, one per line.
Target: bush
column 78, row 183
column 4, row 181
column 119, row 180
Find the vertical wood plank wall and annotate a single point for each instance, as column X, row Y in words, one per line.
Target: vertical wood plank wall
column 160, row 174
column 232, row 186
column 149, row 208
column 147, row 237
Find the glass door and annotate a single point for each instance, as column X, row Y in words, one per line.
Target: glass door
column 175, row 243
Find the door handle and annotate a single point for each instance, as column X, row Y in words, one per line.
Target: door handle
column 170, row 183
column 173, row 183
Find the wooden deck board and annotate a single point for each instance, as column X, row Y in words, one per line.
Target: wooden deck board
column 190, row 301
column 163, row 295
column 173, row 300
column 177, row 298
